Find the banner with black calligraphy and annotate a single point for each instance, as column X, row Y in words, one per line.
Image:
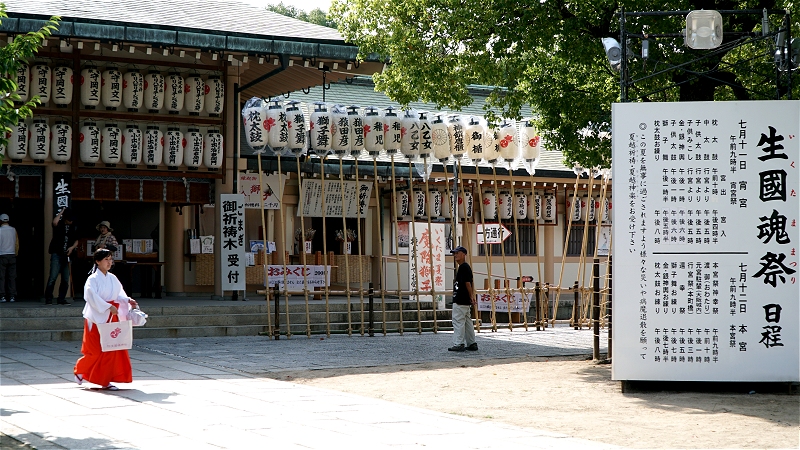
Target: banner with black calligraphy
column 272, row 187
column 232, row 243
column 62, row 191
column 338, row 196
column 705, row 241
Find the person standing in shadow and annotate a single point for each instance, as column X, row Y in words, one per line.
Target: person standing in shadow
column 63, row 244
column 9, row 248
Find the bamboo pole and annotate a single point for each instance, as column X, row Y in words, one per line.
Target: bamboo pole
column 519, row 256
column 325, row 261
column 486, row 248
column 345, row 255
column 541, row 306
column 264, row 240
column 302, row 244
column 283, row 237
column 380, row 247
column 359, row 237
column 503, row 249
column 460, row 170
column 430, row 248
column 564, row 253
column 397, row 239
column 413, row 244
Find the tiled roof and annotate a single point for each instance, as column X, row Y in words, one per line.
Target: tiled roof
column 227, row 16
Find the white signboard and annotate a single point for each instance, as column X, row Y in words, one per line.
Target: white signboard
column 492, row 233
column 273, row 186
column 705, row 265
column 314, row 276
column 426, row 248
column 355, row 194
column 232, row 244
column 503, row 301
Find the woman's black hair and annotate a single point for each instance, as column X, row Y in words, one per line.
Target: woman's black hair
column 101, row 254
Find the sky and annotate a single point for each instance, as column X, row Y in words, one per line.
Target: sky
column 305, row 5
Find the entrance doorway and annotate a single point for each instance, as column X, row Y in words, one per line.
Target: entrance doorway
column 27, row 216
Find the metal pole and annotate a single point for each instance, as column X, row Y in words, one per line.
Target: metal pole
column 276, row 332
column 576, row 323
column 371, row 309
column 596, row 310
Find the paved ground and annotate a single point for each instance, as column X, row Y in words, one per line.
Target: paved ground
column 209, row 393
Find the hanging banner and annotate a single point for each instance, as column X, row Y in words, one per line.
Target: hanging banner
column 705, row 267
column 273, row 185
column 355, row 194
column 314, row 276
column 62, row 191
column 504, row 302
column 427, row 247
column 232, row 243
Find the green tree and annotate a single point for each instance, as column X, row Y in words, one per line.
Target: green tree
column 12, row 57
column 546, row 54
column 316, row 16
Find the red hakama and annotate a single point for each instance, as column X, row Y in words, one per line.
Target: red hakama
column 100, row 367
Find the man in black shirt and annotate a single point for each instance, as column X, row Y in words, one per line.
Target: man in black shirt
column 463, row 299
column 64, row 242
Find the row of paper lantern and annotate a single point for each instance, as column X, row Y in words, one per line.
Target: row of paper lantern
column 111, row 144
column 344, row 130
column 132, row 90
column 503, row 206
column 583, row 209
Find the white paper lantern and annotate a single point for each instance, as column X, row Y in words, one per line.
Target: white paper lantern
column 193, row 157
column 418, row 203
column 174, row 93
column 440, row 139
column 214, row 96
column 447, row 209
column 425, row 139
column 340, row 131
column 153, row 146
column 18, row 141
column 90, row 87
column 604, row 205
column 394, row 131
column 455, row 131
column 320, row 129
column 111, row 144
column 154, row 91
column 194, row 95
column 61, row 141
column 173, row 148
column 296, row 121
column 39, row 147
column 508, row 141
column 63, row 84
column 111, row 82
column 529, row 141
column 549, row 208
column 409, row 139
column 489, row 205
column 132, row 145
column 254, row 119
column 534, row 208
column 573, row 208
column 276, row 125
column 212, row 149
column 520, row 205
column 41, row 79
column 23, row 80
column 434, row 203
column 466, row 205
column 474, row 141
column 90, row 143
column 356, row 122
column 374, row 132
column 403, row 203
column 491, row 147
column 505, row 205
column 588, row 208
column 133, row 90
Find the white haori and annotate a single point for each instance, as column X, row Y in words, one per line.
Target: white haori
column 98, row 292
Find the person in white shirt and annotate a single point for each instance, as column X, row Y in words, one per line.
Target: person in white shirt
column 9, row 247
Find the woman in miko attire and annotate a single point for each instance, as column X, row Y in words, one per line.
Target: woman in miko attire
column 106, row 301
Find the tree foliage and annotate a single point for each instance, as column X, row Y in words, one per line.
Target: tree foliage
column 549, row 55
column 315, row 16
column 12, row 57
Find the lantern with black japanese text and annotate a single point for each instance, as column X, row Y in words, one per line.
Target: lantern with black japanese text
column 440, row 138
column 374, row 132
column 61, row 142
column 535, row 206
column 39, row 147
column 520, row 205
column 394, row 131
column 604, row 205
column 434, row 203
column 425, row 139
column 110, row 144
column 153, row 91
column 40, row 79
column 356, row 122
column 18, row 141
column 418, row 202
column 455, row 131
column 505, row 205
column 131, row 145
column 489, row 205
column 111, row 82
column 133, row 90
column 474, row 142
column 194, row 95
column 254, row 119
column 320, row 129
column 340, row 130
column 491, row 147
column 214, row 96
column 466, row 205
column 62, row 86
column 276, row 126
column 212, row 149
column 573, row 208
column 23, row 79
column 194, row 149
column 587, row 208
column 549, row 208
column 296, row 122
column 90, row 87
column 529, row 141
column 153, row 146
column 409, row 138
column 447, row 209
column 173, row 148
column 402, row 203
column 508, row 141
column 89, row 143
column 174, row 93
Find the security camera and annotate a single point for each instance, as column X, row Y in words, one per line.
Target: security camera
column 613, row 52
